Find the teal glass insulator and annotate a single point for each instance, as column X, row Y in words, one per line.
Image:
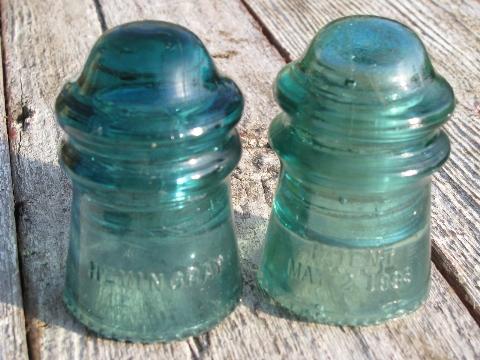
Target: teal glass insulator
column 150, row 145
column 348, row 239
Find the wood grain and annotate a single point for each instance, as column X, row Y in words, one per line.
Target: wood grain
column 13, row 342
column 47, row 41
column 450, row 31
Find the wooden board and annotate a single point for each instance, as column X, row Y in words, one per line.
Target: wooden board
column 13, row 342
column 450, row 31
column 45, row 42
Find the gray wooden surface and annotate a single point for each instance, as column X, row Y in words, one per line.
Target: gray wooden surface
column 13, row 344
column 45, row 42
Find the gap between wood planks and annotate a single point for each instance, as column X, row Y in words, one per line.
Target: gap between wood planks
column 17, row 205
column 100, row 15
column 452, row 280
column 267, row 33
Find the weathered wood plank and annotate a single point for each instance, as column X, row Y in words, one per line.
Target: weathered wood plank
column 450, row 31
column 43, row 46
column 243, row 52
column 13, row 342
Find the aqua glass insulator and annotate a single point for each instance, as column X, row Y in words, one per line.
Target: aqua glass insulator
column 349, row 235
column 150, row 145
